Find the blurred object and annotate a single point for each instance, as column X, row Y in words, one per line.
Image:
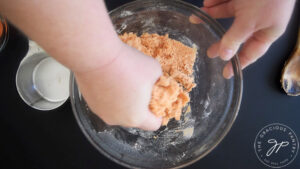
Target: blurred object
column 41, row 81
column 3, row 33
column 290, row 79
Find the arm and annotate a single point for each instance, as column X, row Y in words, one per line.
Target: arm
column 77, row 33
column 115, row 80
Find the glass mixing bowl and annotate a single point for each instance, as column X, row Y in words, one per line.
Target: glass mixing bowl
column 214, row 102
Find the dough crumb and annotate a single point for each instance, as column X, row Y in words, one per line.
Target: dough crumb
column 171, row 92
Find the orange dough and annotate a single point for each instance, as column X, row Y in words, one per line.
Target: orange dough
column 170, row 92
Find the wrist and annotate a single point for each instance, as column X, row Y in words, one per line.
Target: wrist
column 97, row 57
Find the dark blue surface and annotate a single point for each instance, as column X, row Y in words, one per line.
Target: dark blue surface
column 48, row 140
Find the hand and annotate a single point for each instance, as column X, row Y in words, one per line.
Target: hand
column 115, row 80
column 258, row 23
column 120, row 92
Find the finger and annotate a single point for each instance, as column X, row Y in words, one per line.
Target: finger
column 210, row 3
column 223, row 10
column 253, row 49
column 151, row 123
column 238, row 33
column 195, row 19
column 269, row 35
column 213, row 50
column 228, row 71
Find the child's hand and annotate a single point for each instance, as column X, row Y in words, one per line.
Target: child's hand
column 120, row 92
column 258, row 23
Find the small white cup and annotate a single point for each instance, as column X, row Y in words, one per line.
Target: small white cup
column 41, row 81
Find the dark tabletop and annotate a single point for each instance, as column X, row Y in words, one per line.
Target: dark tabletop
column 52, row 140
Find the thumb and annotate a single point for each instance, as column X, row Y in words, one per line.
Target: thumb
column 151, row 123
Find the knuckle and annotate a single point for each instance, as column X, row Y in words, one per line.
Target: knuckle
column 230, row 42
column 263, row 38
column 109, row 122
column 133, row 121
column 269, row 35
column 247, row 59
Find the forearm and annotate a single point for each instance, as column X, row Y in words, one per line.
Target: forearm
column 77, row 33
